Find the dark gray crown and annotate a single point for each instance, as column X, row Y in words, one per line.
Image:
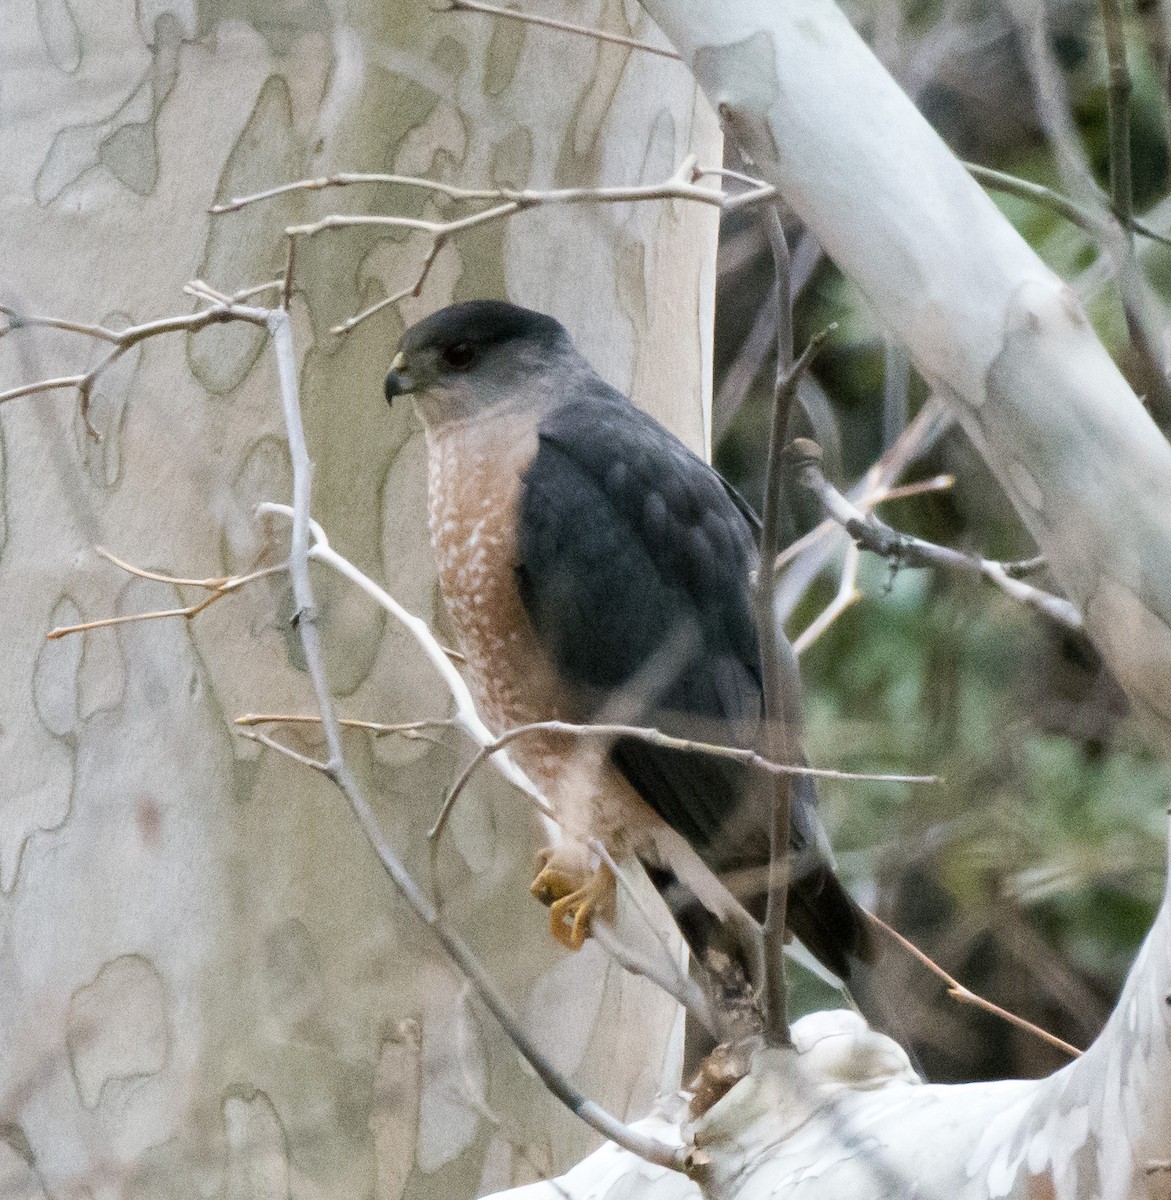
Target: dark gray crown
column 483, row 323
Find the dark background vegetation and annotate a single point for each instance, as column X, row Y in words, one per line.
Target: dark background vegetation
column 1033, row 870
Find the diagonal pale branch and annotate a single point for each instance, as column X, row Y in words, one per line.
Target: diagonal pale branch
column 965, row 995
column 466, row 717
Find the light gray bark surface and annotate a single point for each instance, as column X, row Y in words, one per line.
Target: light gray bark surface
column 207, row 984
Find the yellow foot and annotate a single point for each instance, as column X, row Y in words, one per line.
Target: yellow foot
column 574, row 892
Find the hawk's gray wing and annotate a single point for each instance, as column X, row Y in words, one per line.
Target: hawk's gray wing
column 634, row 568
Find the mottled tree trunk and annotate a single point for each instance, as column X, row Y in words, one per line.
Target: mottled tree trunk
column 207, row 983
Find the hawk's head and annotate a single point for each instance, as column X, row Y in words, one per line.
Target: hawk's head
column 468, row 358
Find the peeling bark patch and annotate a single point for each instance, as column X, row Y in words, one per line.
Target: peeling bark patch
column 60, row 34
column 258, row 1149
column 1121, row 621
column 292, row 972
column 38, row 792
column 454, row 1070
column 512, row 159
column 1040, row 1187
column 394, row 1119
column 117, row 1029
column 124, row 143
column 450, row 56
column 502, row 58
column 55, row 674
column 279, row 23
column 631, row 281
column 249, row 245
column 740, row 75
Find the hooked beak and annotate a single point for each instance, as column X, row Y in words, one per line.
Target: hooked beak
column 398, row 382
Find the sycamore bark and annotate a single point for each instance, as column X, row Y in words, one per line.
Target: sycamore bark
column 207, row 984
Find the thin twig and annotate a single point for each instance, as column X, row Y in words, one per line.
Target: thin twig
column 264, row 739
column 676, row 982
column 1024, row 189
column 43, row 385
column 219, row 588
column 774, row 987
column 504, row 202
column 928, row 425
column 778, row 720
column 599, row 35
column 846, row 597
column 121, row 341
column 902, row 549
column 408, row 729
column 654, row 737
column 957, row 991
column 871, row 499
column 1077, row 214
column 18, row 320
column 684, row 991
column 338, row 770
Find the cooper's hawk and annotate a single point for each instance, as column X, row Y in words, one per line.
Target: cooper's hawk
column 596, row 569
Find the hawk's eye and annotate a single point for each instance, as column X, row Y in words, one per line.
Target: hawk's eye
column 461, row 355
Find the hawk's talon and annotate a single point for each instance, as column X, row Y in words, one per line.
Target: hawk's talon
column 574, row 895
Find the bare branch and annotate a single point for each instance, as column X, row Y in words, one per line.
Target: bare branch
column 874, row 535
column 655, row 737
column 504, row 203
column 265, row 740
column 18, row 320
column 219, row 588
column 44, row 385
column 846, row 597
column 957, row 991
column 778, row 720
column 123, row 340
column 1118, row 119
column 466, row 717
column 686, row 992
column 408, row 729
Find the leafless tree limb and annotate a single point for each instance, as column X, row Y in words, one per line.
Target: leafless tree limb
column 655, row 737
column 218, row 589
column 778, row 721
column 965, row 995
column 504, row 202
column 121, row 341
column 875, row 535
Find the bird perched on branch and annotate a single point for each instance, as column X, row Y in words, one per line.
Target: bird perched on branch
column 598, row 571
